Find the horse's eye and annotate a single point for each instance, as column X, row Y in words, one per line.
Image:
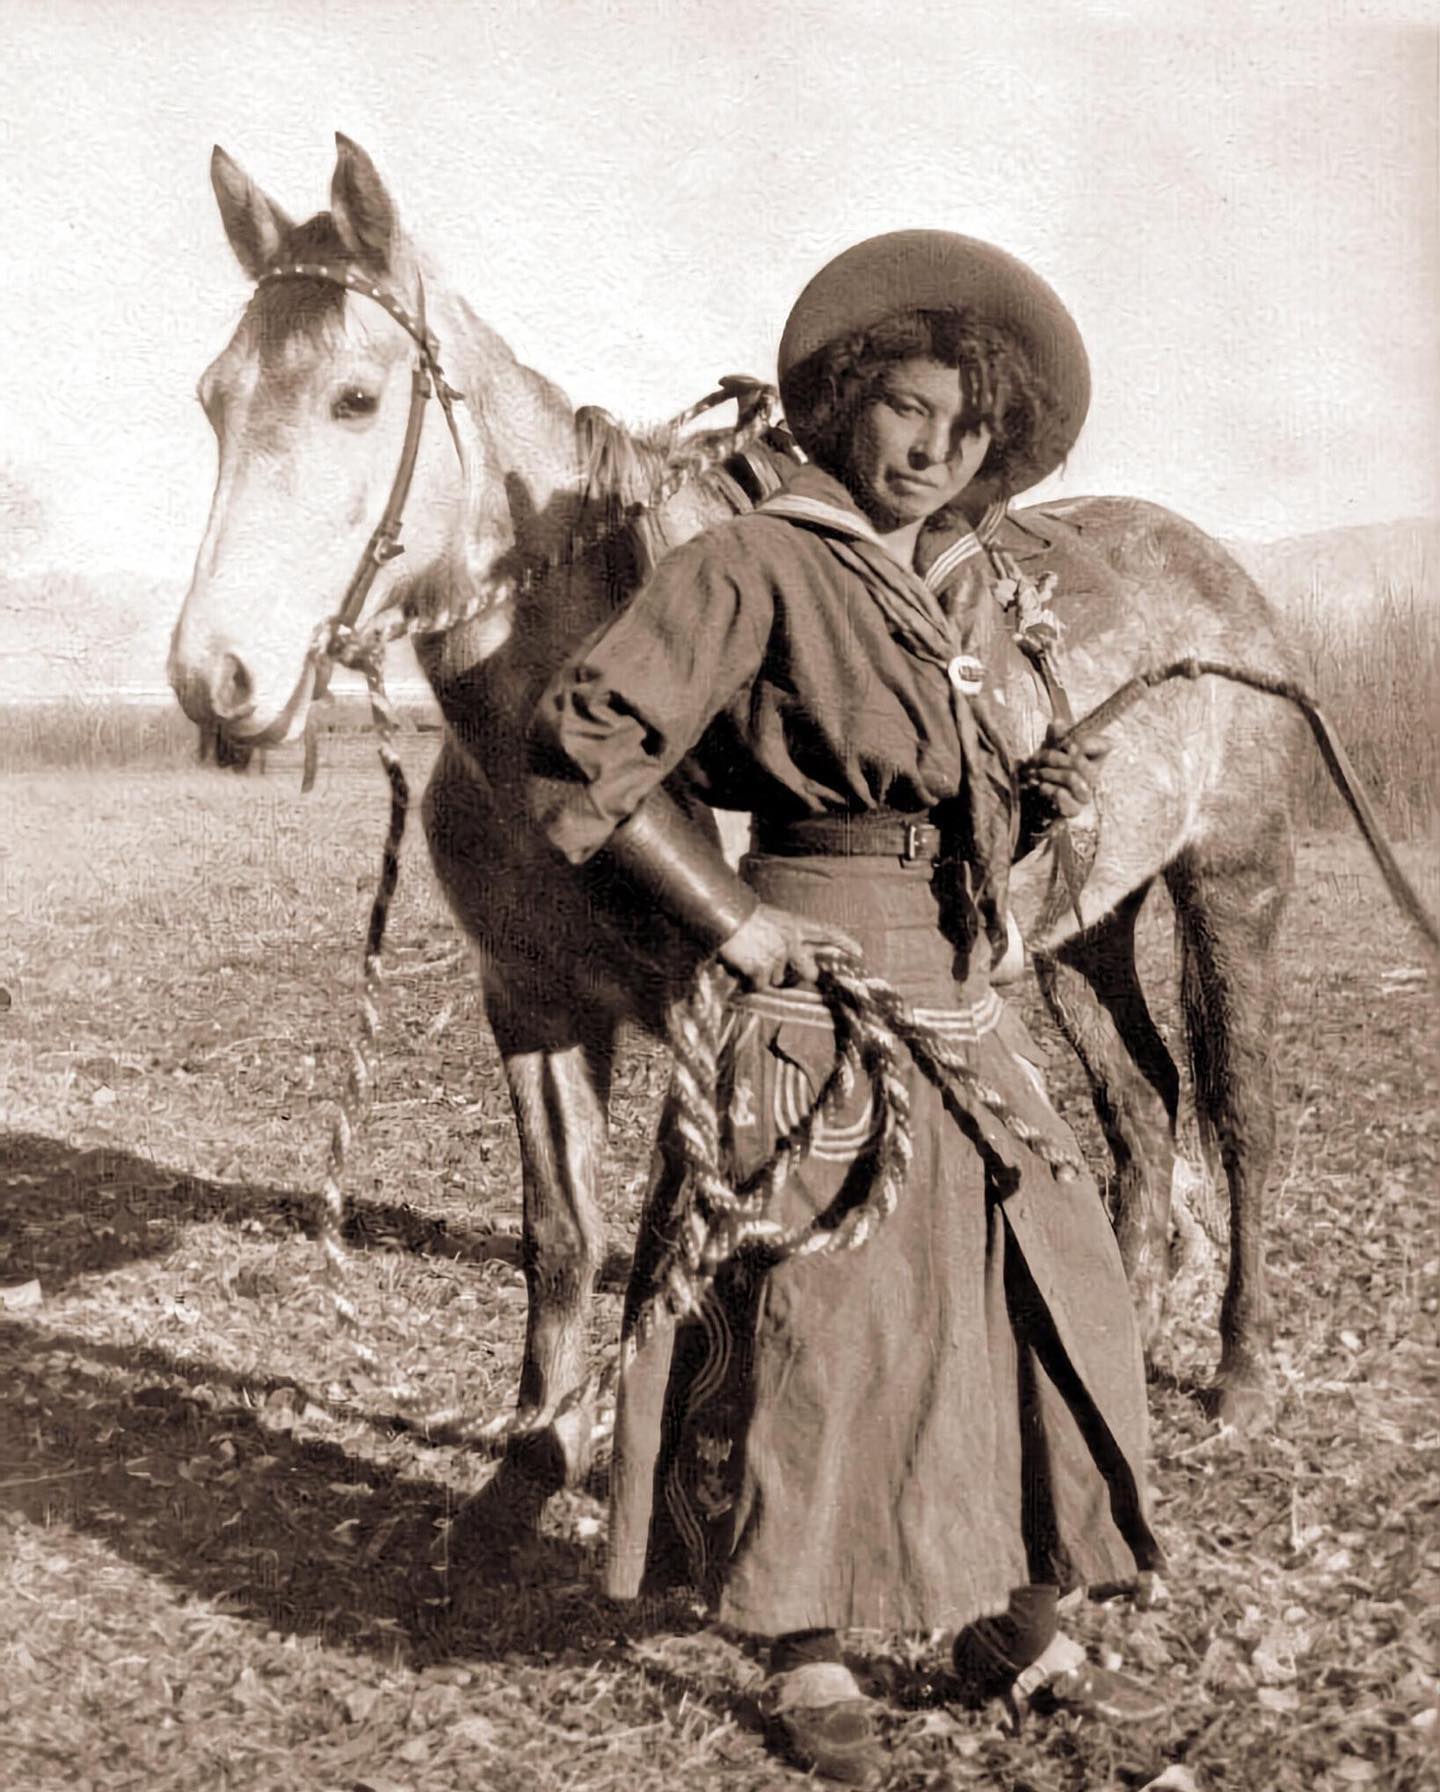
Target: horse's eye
column 353, row 406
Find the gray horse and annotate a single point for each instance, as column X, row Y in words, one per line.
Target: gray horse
column 504, row 522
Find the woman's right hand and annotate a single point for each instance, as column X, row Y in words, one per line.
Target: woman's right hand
column 776, row 947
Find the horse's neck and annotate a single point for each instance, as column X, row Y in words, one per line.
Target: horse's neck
column 523, row 479
column 524, row 441
column 526, row 421
column 567, row 493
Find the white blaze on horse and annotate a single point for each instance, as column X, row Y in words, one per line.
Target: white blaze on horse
column 311, row 402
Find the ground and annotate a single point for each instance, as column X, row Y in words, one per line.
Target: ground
column 223, row 1559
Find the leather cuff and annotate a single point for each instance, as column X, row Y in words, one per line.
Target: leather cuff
column 662, row 852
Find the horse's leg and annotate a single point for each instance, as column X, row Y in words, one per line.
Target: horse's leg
column 556, row 1042
column 558, row 1069
column 1092, row 990
column 1229, row 913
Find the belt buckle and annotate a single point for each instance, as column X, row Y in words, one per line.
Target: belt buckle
column 912, row 841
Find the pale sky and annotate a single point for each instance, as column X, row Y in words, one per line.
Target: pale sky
column 1241, row 213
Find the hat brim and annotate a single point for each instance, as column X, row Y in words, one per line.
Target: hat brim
column 924, row 270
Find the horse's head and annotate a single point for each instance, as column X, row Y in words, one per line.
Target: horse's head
column 310, row 402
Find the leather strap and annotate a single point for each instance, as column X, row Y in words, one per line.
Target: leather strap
column 1043, row 662
column 426, row 376
column 879, row 834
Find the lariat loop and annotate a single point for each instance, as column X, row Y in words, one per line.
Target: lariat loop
column 716, row 1221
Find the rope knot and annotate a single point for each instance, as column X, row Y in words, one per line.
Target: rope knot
column 1037, row 627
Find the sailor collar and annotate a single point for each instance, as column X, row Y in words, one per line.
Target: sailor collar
column 821, row 502
column 817, row 501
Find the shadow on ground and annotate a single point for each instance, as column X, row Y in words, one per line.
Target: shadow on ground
column 67, row 1211
column 191, row 1476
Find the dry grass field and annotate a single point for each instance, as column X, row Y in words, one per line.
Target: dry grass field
column 224, row 1560
column 225, row 1556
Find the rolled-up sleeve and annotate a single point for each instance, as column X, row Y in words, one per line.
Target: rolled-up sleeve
column 632, row 703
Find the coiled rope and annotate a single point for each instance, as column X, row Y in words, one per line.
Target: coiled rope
column 873, row 1029
column 714, row 1223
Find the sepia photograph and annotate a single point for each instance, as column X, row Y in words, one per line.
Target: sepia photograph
column 719, row 801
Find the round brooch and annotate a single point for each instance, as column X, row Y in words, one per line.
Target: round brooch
column 967, row 674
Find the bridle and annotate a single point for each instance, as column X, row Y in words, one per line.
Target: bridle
column 340, row 637
column 426, row 376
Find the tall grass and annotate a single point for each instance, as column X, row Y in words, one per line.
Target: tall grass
column 88, row 734
column 1373, row 664
column 85, row 734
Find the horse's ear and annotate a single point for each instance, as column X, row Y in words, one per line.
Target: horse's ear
column 361, row 206
column 255, row 225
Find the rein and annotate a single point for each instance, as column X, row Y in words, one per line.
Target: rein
column 1337, row 762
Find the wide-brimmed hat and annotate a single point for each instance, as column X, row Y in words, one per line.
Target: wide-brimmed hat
column 925, row 270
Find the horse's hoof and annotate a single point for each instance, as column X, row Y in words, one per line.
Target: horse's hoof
column 501, row 1518
column 1245, row 1407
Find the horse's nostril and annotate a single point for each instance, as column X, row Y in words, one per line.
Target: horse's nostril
column 232, row 695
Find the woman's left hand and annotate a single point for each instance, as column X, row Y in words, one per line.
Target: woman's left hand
column 1059, row 781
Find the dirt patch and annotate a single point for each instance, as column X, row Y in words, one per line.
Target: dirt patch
column 225, row 1557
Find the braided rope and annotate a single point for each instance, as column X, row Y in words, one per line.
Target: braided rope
column 345, row 647
column 715, row 1223
column 718, row 1222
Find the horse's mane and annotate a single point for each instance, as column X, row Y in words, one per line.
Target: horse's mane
column 620, row 467
column 624, row 471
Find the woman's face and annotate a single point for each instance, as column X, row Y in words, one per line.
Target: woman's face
column 908, row 456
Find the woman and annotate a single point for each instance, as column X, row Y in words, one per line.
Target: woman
column 902, row 1436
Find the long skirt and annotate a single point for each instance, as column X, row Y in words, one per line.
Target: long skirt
column 890, row 1437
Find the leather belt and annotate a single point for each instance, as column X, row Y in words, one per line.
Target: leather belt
column 876, row 834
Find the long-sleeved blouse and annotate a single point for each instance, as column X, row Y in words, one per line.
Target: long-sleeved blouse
column 787, row 662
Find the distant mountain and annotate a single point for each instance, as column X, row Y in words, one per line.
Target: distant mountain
column 1352, row 565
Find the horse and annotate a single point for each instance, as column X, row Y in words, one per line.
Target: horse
column 510, row 529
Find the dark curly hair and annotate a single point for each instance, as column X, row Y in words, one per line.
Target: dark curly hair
column 1001, row 388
